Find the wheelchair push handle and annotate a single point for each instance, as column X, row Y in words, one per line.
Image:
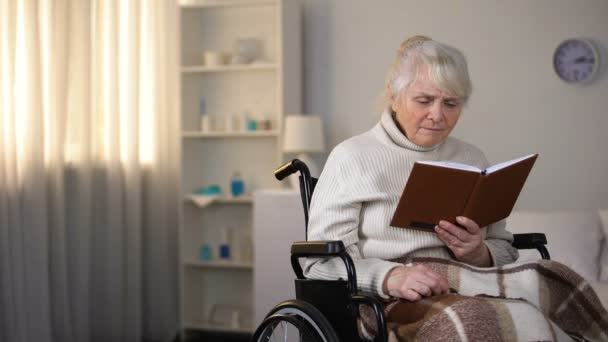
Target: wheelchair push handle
column 290, row 168
column 306, row 183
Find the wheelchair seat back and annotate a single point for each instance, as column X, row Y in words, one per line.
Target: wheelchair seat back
column 332, row 298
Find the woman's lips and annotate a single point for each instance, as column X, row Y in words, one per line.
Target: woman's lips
column 433, row 129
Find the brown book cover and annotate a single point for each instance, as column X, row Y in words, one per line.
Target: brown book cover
column 441, row 191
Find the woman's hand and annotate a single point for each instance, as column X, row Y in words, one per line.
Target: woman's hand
column 413, row 283
column 466, row 241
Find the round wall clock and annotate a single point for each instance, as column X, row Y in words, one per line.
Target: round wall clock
column 576, row 60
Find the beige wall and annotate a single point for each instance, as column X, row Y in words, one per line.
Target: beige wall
column 518, row 106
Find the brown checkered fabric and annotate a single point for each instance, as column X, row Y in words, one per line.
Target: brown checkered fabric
column 532, row 301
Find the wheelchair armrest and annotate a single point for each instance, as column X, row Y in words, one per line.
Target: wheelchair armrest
column 528, row 241
column 317, row 248
column 531, row 241
column 305, row 249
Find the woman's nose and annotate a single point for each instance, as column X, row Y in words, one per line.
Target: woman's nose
column 436, row 111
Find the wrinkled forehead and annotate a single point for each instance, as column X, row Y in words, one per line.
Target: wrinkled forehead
column 424, row 85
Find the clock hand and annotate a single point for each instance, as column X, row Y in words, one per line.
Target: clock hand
column 583, row 59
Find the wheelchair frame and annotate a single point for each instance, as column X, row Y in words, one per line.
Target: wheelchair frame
column 328, row 310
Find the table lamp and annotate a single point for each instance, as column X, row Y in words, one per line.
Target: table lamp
column 304, row 135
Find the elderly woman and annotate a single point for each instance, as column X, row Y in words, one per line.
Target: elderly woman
column 364, row 176
column 360, row 186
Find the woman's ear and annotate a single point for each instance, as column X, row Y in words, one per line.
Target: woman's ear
column 390, row 97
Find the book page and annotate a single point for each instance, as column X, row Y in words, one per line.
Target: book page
column 451, row 165
column 502, row 165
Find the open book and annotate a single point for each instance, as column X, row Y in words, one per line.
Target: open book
column 443, row 190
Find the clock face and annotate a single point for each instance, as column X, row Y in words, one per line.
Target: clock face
column 575, row 60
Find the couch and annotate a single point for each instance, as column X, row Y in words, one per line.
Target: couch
column 576, row 238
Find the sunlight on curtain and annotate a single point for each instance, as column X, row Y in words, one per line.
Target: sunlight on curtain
column 45, row 44
column 147, row 74
column 21, row 78
column 107, row 105
column 121, row 125
column 115, row 35
column 89, row 170
column 124, row 69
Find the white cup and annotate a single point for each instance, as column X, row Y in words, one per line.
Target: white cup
column 213, row 58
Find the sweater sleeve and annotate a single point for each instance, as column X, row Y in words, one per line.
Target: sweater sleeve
column 499, row 240
column 334, row 215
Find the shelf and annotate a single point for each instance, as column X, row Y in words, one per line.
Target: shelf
column 220, row 264
column 225, row 199
column 253, row 134
column 215, row 327
column 241, row 199
column 212, row 289
column 197, row 69
column 207, row 200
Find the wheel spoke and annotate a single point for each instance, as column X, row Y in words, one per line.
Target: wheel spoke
column 284, row 324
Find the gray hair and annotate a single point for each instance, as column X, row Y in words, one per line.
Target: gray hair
column 446, row 65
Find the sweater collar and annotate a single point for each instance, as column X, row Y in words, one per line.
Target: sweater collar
column 390, row 127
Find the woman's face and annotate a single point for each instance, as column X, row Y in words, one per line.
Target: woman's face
column 425, row 112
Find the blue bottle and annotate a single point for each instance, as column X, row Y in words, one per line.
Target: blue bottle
column 224, row 247
column 237, row 186
column 205, row 253
column 252, row 125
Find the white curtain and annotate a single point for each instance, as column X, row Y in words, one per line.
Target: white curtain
column 89, row 155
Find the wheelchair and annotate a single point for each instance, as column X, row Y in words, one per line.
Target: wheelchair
column 328, row 310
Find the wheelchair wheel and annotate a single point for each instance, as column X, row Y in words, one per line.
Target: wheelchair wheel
column 295, row 320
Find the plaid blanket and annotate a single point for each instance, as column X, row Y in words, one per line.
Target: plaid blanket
column 532, row 301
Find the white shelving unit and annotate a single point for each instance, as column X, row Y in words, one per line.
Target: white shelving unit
column 266, row 90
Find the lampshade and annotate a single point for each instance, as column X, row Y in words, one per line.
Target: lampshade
column 303, row 133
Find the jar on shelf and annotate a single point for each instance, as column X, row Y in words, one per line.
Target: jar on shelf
column 237, row 186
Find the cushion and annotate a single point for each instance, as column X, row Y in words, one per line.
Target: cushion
column 574, row 238
column 604, row 265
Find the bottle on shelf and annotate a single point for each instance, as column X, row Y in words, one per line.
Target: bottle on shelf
column 224, row 247
column 205, row 125
column 237, row 186
column 205, row 253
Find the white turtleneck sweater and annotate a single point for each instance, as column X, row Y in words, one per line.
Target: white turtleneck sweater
column 358, row 192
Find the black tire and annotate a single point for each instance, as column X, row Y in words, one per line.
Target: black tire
column 310, row 323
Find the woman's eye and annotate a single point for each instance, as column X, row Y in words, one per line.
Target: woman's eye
column 423, row 101
column 451, row 104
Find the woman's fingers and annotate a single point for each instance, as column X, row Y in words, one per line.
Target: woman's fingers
column 464, row 240
column 449, row 239
column 428, row 283
column 459, row 233
column 442, row 283
column 470, row 225
column 411, row 295
column 413, row 283
column 433, row 284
